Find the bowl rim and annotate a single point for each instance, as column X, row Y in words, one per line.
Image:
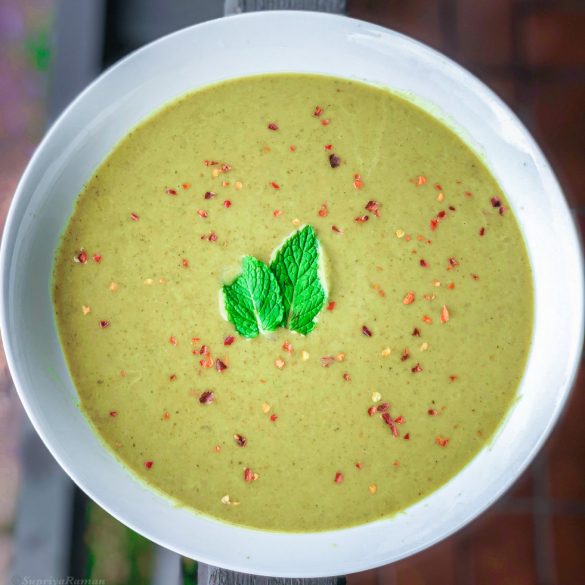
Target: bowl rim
column 20, row 201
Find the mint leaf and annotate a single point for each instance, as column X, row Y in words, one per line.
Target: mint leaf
column 253, row 301
column 296, row 267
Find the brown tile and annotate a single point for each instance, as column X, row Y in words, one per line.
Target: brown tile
column 364, row 578
column 435, row 565
column 566, row 448
column 569, row 544
column 502, row 549
column 419, row 19
column 485, row 32
column 559, row 126
column 523, row 488
column 554, row 37
column 504, row 85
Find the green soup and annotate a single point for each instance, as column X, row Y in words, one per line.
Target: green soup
column 416, row 355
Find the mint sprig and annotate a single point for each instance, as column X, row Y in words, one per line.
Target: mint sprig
column 296, row 267
column 253, row 301
column 290, row 293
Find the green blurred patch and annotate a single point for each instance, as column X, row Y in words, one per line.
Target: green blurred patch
column 37, row 47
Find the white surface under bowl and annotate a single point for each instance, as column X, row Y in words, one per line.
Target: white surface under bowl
column 280, row 42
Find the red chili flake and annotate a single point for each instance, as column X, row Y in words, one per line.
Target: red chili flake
column 423, row 263
column 277, row 213
column 334, row 160
column 384, row 407
column 331, row 305
column 427, row 319
column 229, row 340
column 202, row 213
column 482, row 231
column 357, row 181
column 366, row 331
column 409, row 298
column 434, row 223
column 186, row 186
column 372, row 410
column 204, row 350
column 453, row 262
column 173, row 340
column 438, row 187
column 362, row 218
column 225, row 168
column 81, row 258
column 359, row 465
column 374, row 207
column 468, row 194
column 134, row 217
column 391, row 423
column 249, row 475
column 207, row 397
column 406, row 437
column 273, row 417
column 273, row 126
column 113, row 413
column 416, row 369
column 173, row 377
column 432, row 412
column 170, row 191
column 405, row 354
column 212, row 237
column 185, row 263
column 336, row 229
column 240, row 440
column 287, row 346
column 474, row 276
column 328, row 146
column 219, row 365
column 441, row 441
column 207, row 362
column 416, row 332
column 451, row 286
column 453, row 378
column 325, row 122
column 327, row 360
column 502, row 210
column 148, row 464
column 324, row 211
column 209, row 195
column 347, row 377
column 210, row 163
column 420, row 180
column 318, row 111
column 292, row 148
column 104, row 324
column 227, row 203
column 97, row 258
column 275, row 185
column 496, row 202
column 442, row 214
column 451, row 208
column 338, row 477
column 444, row 314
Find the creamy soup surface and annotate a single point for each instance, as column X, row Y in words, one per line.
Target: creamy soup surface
column 417, row 351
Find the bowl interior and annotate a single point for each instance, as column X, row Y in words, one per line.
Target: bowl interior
column 286, row 42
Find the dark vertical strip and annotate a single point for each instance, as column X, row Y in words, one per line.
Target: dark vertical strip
column 448, row 25
column 78, row 550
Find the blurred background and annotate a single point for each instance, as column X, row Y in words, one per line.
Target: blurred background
column 530, row 52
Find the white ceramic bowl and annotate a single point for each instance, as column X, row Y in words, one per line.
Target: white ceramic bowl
column 279, row 42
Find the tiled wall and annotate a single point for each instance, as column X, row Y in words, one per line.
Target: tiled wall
column 532, row 53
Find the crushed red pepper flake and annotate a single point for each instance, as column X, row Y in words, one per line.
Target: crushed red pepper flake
column 317, row 111
column 441, row 441
column 453, row 378
column 207, row 362
column 148, row 464
column 336, row 229
column 357, row 181
column 326, row 361
column 482, row 231
column 249, row 475
column 383, row 407
column 409, row 298
column 287, row 346
column 227, row 203
column 210, row 163
column 451, row 286
column 113, row 413
column 416, row 369
column 423, row 263
column 444, row 314
column 416, row 332
column 372, row 411
column 104, row 324
column 347, row 377
column 81, row 258
column 292, row 148
column 274, row 185
column 328, row 147
column 362, row 218
column 273, row 417
column 173, row 377
column 273, row 126
column 229, row 340
column 373, row 207
column 405, row 354
column 331, row 305
column 207, row 397
column 366, row 331
column 474, row 276
column 338, row 477
column 185, row 263
column 453, row 262
column 173, row 340
column 323, row 211
column 240, row 440
column 219, row 365
column 391, row 423
column 427, row 319
column 186, row 186
column 134, row 217
column 359, row 465
column 277, row 213
column 209, row 195
column 432, row 412
column 420, row 180
column 496, row 202
column 325, row 122
column 202, row 213
column 171, row 192
column 97, row 258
